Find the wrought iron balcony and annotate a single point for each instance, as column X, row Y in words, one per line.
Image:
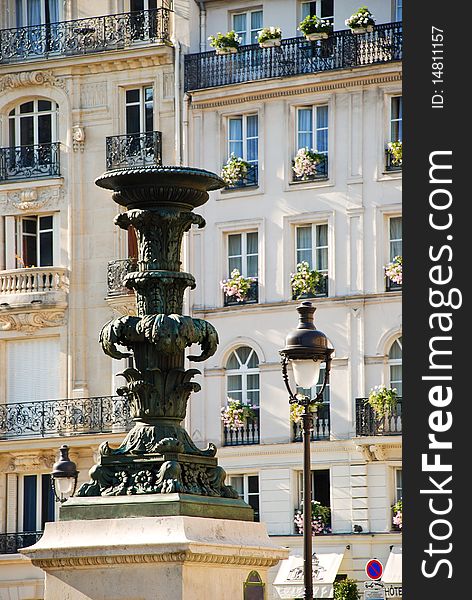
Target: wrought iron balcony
column 134, row 150
column 321, row 426
column 251, row 179
column 320, row 291
column 116, row 272
column 392, row 286
column 244, row 436
column 10, row 543
column 86, row 36
column 251, row 298
column 368, row 423
column 30, row 162
column 295, row 56
column 390, row 164
column 321, row 172
column 70, row 416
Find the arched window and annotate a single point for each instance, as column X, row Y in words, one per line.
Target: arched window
column 395, row 365
column 242, row 376
column 32, row 123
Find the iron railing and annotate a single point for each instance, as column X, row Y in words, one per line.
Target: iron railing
column 321, row 426
column 321, row 172
column 30, row 162
column 251, row 178
column 251, row 298
column 392, row 286
column 70, row 416
column 390, row 163
column 116, row 272
column 295, row 56
column 244, row 436
column 85, row 36
column 321, row 290
column 10, row 543
column 369, row 423
column 134, row 150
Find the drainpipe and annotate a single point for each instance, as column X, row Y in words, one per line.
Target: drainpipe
column 185, row 142
column 177, row 103
column 203, row 12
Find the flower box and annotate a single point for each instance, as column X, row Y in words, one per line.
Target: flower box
column 270, row 43
column 227, row 50
column 316, row 36
column 367, row 29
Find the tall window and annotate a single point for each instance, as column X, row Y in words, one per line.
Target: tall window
column 320, row 8
column 140, row 110
column 37, row 12
column 398, row 5
column 320, row 487
column 395, row 365
column 396, row 117
column 312, row 128
column 247, row 25
column 243, row 253
column 34, row 241
column 395, row 237
column 243, row 137
column 37, row 505
column 247, row 487
column 312, row 246
column 242, row 376
column 32, row 123
column 398, row 484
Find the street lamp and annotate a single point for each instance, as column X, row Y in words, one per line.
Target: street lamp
column 64, row 476
column 306, row 349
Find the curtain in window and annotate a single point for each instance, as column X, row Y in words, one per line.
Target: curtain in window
column 322, row 129
column 322, row 250
column 52, row 7
column 236, row 137
column 235, row 253
column 396, row 119
column 239, row 26
column 304, row 249
column 395, row 237
column 256, row 25
column 252, row 138
column 305, row 128
column 34, row 12
column 251, row 254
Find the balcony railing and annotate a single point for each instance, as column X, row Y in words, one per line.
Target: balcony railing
column 250, row 180
column 134, row 150
column 320, row 291
column 390, row 165
column 392, row 286
column 10, row 543
column 251, row 298
column 321, row 172
column 295, row 56
column 244, row 436
column 85, row 36
column 34, row 280
column 321, row 426
column 368, row 423
column 30, row 162
column 70, row 416
column 116, row 272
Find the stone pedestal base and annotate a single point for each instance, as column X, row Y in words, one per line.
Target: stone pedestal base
column 152, row 558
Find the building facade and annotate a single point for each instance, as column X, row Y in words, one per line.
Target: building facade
column 82, row 92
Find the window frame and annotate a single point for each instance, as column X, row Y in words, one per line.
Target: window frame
column 314, row 129
column 17, row 118
column 397, row 10
column 246, row 493
column 24, row 10
column 391, row 241
column 39, row 501
column 397, row 121
column 299, row 485
column 249, row 32
column 245, row 139
column 244, row 371
column 244, row 254
column 141, row 103
column 396, row 486
column 395, row 362
column 20, row 234
column 314, row 245
column 319, row 4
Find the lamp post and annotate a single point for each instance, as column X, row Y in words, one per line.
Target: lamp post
column 306, row 349
column 64, row 476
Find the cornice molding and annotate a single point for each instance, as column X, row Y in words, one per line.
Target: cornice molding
column 26, row 78
column 296, row 91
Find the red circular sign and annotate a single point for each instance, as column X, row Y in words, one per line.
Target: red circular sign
column 374, row 569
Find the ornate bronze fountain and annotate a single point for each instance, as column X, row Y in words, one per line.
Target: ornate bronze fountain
column 158, row 456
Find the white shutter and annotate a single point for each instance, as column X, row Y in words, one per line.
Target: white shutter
column 33, row 370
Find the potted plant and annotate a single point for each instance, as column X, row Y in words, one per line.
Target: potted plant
column 394, row 270
column 305, row 282
column 361, row 21
column 296, row 411
column 269, row 37
column 236, row 285
column 346, row 589
column 235, row 414
column 320, row 519
column 397, row 510
column 383, row 400
column 315, row 28
column 395, row 150
column 234, row 170
column 227, row 43
column 305, row 164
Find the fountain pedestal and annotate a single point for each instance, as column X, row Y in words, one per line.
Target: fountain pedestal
column 153, row 558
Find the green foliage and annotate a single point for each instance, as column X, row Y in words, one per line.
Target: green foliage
column 225, row 40
column 305, row 280
column 396, row 151
column 383, row 400
column 269, row 33
column 313, row 24
column 346, row 589
column 234, row 170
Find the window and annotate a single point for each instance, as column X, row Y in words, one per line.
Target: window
column 397, row 10
column 312, row 128
column 243, row 140
column 312, row 247
column 247, row 487
column 37, row 12
column 242, row 376
column 396, row 115
column 36, row 502
column 32, row 123
column 34, row 241
column 320, row 487
column 247, row 25
column 139, row 110
column 398, row 484
column 320, row 8
column 243, row 253
column 395, row 237
column 395, row 365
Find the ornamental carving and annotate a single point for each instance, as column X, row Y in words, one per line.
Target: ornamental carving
column 25, row 78
column 32, row 199
column 31, row 321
